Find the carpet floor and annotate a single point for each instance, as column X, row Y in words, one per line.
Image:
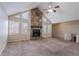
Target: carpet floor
column 45, row 47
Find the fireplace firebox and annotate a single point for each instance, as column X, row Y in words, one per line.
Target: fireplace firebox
column 36, row 33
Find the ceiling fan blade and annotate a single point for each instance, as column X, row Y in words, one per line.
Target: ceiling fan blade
column 54, row 10
column 57, row 6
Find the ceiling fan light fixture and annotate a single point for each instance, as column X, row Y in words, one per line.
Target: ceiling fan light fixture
column 50, row 6
column 50, row 10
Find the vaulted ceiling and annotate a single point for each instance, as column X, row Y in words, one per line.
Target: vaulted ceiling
column 15, row 7
column 68, row 11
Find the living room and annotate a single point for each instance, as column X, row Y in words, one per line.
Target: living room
column 39, row 28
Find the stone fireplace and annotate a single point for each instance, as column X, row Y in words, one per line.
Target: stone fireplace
column 36, row 23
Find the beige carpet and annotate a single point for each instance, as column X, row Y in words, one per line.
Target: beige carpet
column 45, row 47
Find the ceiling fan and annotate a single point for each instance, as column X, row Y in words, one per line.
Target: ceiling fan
column 51, row 8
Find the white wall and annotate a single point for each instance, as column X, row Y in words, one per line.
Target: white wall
column 3, row 28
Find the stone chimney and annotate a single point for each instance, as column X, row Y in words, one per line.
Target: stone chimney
column 36, row 17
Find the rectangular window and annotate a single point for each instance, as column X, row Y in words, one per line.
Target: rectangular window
column 13, row 27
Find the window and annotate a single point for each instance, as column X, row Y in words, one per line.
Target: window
column 47, row 27
column 24, row 28
column 14, row 27
column 18, row 24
